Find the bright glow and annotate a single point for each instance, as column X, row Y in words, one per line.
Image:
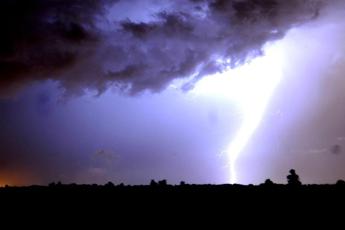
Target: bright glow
column 250, row 87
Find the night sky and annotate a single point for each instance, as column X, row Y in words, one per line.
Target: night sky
column 204, row 91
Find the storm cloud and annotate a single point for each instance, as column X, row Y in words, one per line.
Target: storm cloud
column 78, row 45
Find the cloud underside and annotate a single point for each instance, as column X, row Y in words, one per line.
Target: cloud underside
column 74, row 43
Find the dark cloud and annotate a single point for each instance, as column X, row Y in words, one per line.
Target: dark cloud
column 41, row 38
column 336, row 149
column 72, row 42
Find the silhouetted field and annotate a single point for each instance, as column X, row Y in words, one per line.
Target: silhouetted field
column 192, row 192
column 172, row 204
column 162, row 198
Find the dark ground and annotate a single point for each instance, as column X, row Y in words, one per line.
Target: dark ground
column 197, row 204
column 178, row 194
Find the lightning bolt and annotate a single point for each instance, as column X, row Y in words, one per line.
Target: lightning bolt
column 252, row 119
column 264, row 75
column 250, row 87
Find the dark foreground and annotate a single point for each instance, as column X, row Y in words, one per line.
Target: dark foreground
column 144, row 205
column 179, row 194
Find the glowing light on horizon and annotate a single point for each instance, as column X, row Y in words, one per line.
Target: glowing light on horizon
column 250, row 87
column 2, row 184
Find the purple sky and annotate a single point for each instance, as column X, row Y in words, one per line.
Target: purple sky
column 108, row 91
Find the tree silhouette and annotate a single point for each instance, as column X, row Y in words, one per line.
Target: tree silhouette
column 162, row 183
column 340, row 183
column 293, row 178
column 109, row 185
column 268, row 182
column 153, row 183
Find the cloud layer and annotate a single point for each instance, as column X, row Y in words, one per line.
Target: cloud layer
column 75, row 42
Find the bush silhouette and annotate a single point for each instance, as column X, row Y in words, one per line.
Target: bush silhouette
column 153, row 183
column 340, row 183
column 268, row 182
column 162, row 183
column 293, row 178
column 109, row 185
